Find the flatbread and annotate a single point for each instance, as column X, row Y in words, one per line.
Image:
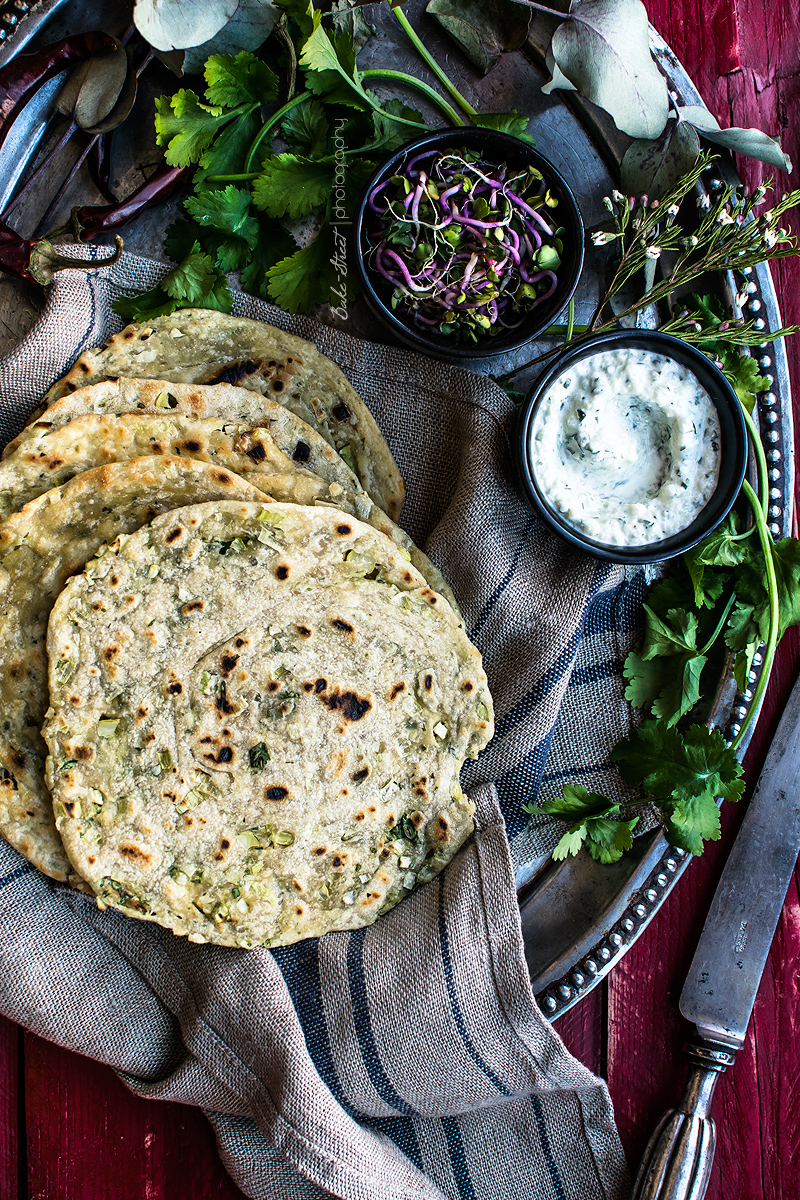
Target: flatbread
column 202, row 346
column 232, row 427
column 259, row 716
column 40, row 547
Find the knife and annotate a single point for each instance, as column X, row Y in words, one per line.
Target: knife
column 720, row 989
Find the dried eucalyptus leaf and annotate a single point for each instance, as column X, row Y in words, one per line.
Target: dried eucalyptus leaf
column 655, row 167
column 172, row 59
column 68, row 96
column 177, row 24
column 603, row 49
column 123, row 106
column 557, row 81
column 101, row 88
column 751, row 142
column 349, row 18
column 484, row 29
column 248, row 28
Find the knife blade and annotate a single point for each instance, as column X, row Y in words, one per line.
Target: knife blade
column 721, row 986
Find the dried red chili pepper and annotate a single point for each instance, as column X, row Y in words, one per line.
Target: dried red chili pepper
column 89, row 220
column 98, row 161
column 37, row 259
column 21, row 78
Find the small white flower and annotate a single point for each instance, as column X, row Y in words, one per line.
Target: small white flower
column 770, row 238
column 673, row 210
column 600, row 238
column 609, row 204
column 618, row 196
column 724, row 217
column 653, row 252
column 704, row 202
column 741, row 298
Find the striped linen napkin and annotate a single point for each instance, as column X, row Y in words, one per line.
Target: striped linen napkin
column 407, row 1060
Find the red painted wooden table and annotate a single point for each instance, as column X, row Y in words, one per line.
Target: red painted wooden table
column 69, row 1130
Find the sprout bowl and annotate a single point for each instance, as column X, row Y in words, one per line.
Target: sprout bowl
column 468, row 243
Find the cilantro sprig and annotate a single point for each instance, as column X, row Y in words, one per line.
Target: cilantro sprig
column 262, row 168
column 736, row 591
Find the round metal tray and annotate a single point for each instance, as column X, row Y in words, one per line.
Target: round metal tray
column 578, row 917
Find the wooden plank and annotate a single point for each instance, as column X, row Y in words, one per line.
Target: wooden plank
column 9, row 1146
column 88, row 1137
column 582, row 1030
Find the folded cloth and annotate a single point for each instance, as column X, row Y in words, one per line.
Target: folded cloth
column 408, row 1059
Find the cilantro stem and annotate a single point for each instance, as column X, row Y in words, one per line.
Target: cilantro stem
column 570, row 320
column 453, row 117
column 270, row 123
column 772, row 634
column 761, row 459
column 720, row 624
column 428, row 58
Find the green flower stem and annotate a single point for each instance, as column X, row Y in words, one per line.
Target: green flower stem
column 411, row 81
column 428, row 58
column 270, row 124
column 772, row 634
column 231, row 178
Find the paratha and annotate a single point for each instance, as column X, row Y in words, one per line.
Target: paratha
column 228, row 426
column 259, row 715
column 202, row 346
column 40, row 547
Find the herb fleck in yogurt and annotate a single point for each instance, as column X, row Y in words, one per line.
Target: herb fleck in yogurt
column 625, row 447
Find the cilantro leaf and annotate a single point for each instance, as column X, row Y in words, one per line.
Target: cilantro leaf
column 751, row 587
column 187, row 127
column 570, row 843
column 304, row 280
column 608, row 840
column 241, row 79
column 605, row 839
column 645, row 680
column 301, row 11
column 273, row 245
column 330, row 65
column 192, row 278
column 743, row 374
column 691, row 821
column 681, row 692
column 227, row 211
column 741, row 628
column 389, row 134
column 576, row 801
column 146, row 306
column 226, row 154
column 675, row 766
column 292, row 186
column 720, row 549
column 305, row 128
column 509, row 122
column 786, row 556
column 181, row 238
column 674, row 635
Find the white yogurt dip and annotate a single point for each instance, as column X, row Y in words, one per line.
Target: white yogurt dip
column 625, row 447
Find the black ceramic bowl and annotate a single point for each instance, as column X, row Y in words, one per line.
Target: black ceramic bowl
column 495, row 148
column 733, row 445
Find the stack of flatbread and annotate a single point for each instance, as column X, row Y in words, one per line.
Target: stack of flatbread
column 236, row 697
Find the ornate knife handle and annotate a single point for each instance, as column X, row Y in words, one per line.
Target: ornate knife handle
column 678, row 1158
